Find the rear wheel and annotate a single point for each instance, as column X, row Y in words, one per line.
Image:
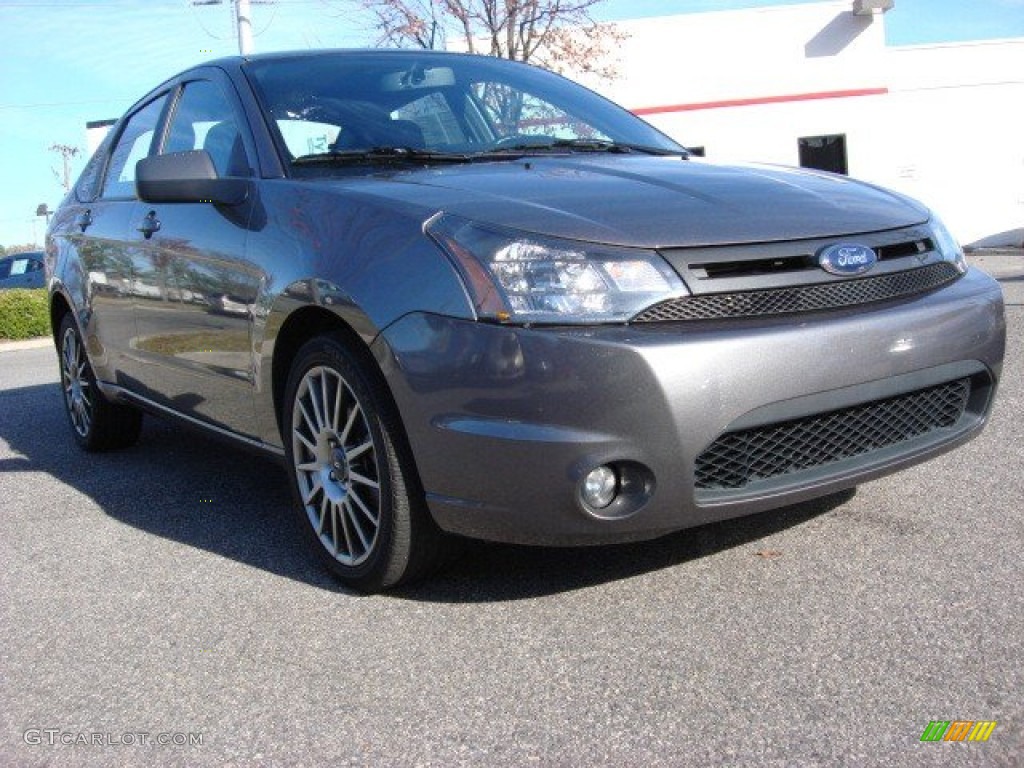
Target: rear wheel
column 360, row 505
column 97, row 424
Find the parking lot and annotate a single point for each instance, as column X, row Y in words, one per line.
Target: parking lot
column 161, row 594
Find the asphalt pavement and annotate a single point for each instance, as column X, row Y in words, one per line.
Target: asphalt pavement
column 157, row 608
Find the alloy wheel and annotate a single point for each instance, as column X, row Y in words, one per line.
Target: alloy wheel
column 336, row 465
column 75, row 380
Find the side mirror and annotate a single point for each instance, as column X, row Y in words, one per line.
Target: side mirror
column 186, row 177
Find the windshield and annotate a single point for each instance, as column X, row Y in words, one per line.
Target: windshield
column 342, row 106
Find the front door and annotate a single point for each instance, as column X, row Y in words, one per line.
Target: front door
column 196, row 290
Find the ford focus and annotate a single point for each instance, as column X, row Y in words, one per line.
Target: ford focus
column 459, row 296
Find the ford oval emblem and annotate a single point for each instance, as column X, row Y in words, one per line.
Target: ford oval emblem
column 847, row 259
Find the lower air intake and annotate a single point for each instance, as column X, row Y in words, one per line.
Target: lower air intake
column 736, row 459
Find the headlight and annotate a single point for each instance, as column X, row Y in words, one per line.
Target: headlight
column 946, row 244
column 525, row 278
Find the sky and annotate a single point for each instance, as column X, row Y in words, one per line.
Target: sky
column 64, row 63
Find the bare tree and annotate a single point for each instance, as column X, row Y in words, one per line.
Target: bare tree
column 560, row 35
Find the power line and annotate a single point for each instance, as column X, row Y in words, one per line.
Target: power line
column 192, row 5
column 84, row 4
column 133, row 3
column 242, row 11
column 46, row 105
column 266, row 26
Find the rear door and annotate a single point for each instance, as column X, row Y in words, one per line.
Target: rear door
column 98, row 274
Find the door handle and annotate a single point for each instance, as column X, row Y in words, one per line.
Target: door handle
column 83, row 220
column 149, row 225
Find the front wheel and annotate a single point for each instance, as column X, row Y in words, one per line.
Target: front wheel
column 360, row 505
column 96, row 423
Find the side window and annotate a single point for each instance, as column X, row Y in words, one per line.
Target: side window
column 132, row 145
column 23, row 266
column 204, row 119
column 87, row 186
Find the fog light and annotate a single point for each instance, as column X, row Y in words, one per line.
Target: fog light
column 600, row 487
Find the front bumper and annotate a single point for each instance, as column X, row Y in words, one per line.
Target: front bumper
column 505, row 421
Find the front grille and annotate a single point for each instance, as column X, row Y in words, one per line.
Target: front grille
column 802, row 298
column 736, row 459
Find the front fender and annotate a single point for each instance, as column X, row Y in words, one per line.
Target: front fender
column 357, row 261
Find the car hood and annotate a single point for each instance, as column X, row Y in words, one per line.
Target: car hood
column 654, row 202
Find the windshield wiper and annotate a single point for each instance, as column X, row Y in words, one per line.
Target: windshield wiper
column 405, row 155
column 374, row 155
column 544, row 144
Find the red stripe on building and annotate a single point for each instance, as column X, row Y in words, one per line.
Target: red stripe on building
column 760, row 100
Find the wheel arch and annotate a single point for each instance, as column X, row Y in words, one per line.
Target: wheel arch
column 413, row 542
column 299, row 327
column 59, row 307
column 307, row 323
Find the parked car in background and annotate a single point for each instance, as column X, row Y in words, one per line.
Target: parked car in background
column 458, row 295
column 227, row 305
column 22, row 270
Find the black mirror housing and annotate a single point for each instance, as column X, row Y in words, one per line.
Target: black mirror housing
column 186, row 177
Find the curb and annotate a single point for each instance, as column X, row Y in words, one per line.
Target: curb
column 13, row 346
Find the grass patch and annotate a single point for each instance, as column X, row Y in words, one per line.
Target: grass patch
column 24, row 314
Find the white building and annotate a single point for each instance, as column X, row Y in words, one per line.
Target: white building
column 815, row 84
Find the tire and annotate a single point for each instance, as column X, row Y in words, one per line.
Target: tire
column 358, row 497
column 97, row 424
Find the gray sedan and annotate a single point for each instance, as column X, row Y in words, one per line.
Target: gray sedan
column 461, row 296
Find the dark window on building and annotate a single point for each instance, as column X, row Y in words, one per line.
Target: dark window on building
column 826, row 153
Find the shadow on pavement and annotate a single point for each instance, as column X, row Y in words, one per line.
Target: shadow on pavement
column 498, row 572
column 189, row 488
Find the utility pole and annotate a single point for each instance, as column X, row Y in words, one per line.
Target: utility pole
column 244, row 16
column 242, row 12
column 67, row 152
